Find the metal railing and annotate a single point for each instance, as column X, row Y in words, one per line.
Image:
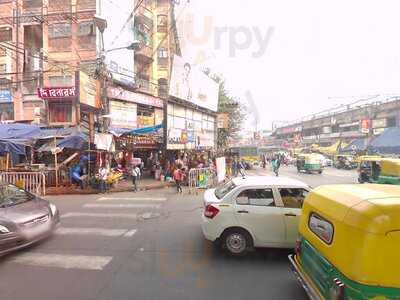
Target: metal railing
column 33, row 182
column 202, row 178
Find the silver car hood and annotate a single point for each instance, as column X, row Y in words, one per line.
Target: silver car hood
column 25, row 212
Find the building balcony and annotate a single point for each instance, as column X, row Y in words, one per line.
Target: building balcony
column 144, row 15
column 144, row 54
column 32, row 7
column 87, row 42
column 59, row 6
column 145, row 86
column 86, row 5
column 62, row 44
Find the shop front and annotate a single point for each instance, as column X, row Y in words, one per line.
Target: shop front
column 129, row 112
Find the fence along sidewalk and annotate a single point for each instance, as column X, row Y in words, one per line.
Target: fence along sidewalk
column 33, row 182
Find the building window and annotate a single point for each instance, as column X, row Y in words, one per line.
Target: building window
column 162, row 53
column 86, row 28
column 6, row 111
column 162, row 88
column 5, row 34
column 60, row 112
column 3, row 68
column 391, row 122
column 162, row 23
column 61, row 81
column 60, row 30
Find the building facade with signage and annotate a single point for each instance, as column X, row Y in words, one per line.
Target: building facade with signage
column 353, row 123
column 192, row 109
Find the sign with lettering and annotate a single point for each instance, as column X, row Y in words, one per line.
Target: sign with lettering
column 5, row 96
column 48, row 93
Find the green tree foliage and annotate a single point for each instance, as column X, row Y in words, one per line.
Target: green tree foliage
column 231, row 106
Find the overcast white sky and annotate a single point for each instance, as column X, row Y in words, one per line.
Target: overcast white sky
column 320, row 54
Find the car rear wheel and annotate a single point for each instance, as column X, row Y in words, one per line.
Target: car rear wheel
column 237, row 242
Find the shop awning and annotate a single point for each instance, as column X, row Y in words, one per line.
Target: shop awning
column 76, row 142
column 356, row 145
column 22, row 133
column 331, row 150
column 145, row 130
column 10, row 147
column 388, row 142
column 48, row 133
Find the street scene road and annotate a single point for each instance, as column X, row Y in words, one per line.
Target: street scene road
column 147, row 245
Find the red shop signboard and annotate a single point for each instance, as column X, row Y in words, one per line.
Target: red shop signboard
column 48, row 93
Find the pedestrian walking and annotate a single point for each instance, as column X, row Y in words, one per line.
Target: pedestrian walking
column 135, row 177
column 242, row 168
column 235, row 167
column 103, row 175
column 178, row 177
column 276, row 164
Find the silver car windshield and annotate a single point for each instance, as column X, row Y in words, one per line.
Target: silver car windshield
column 11, row 195
column 224, row 189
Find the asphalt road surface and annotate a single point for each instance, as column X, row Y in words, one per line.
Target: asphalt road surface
column 146, row 245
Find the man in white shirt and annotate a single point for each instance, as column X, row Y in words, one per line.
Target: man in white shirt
column 135, row 177
column 103, row 174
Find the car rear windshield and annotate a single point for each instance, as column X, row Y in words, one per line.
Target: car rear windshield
column 11, row 195
column 224, row 189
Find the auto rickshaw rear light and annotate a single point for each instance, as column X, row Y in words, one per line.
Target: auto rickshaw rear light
column 338, row 289
column 211, row 211
column 297, row 248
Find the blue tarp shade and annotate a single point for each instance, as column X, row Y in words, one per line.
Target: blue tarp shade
column 21, row 132
column 145, row 130
column 388, row 142
column 10, row 147
column 47, row 133
column 356, row 145
column 77, row 142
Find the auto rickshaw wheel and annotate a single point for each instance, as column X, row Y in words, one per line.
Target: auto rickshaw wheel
column 237, row 241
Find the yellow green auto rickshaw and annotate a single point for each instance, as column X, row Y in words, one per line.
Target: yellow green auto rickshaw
column 309, row 163
column 375, row 169
column 349, row 243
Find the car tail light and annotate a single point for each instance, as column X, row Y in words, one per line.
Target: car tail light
column 211, row 211
column 338, row 290
column 297, row 248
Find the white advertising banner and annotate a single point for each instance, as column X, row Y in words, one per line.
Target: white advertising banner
column 123, row 114
column 118, row 34
column 192, row 85
column 221, row 168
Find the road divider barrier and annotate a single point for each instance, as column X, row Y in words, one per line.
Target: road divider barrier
column 201, row 178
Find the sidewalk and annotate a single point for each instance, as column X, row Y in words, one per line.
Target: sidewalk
column 123, row 186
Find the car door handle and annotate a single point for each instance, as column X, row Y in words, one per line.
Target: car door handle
column 243, row 212
column 290, row 215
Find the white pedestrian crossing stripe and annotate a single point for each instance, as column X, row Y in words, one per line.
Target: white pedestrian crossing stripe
column 132, row 199
column 107, row 205
column 81, row 262
column 96, row 232
column 99, row 215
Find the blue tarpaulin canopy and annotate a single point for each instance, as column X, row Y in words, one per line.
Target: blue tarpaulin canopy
column 22, row 132
column 47, row 133
column 388, row 142
column 77, row 141
column 356, row 145
column 10, row 147
column 145, row 130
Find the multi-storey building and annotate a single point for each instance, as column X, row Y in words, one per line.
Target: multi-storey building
column 48, row 41
column 346, row 123
column 44, row 44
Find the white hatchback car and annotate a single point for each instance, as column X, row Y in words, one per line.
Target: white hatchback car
column 255, row 211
